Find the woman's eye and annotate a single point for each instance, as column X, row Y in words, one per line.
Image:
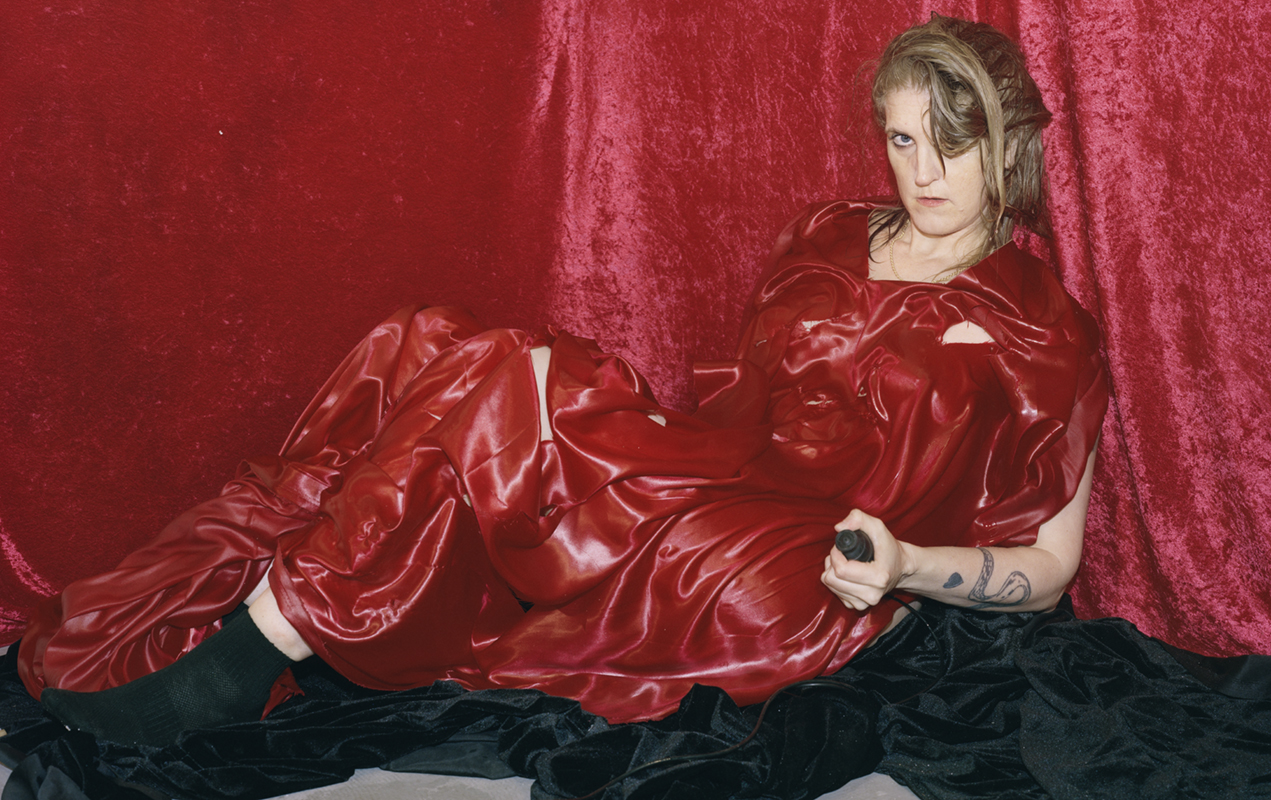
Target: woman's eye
column 900, row 139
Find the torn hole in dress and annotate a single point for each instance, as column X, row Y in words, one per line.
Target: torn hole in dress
column 540, row 360
column 966, row 333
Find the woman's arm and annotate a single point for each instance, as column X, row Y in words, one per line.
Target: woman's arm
column 1027, row 578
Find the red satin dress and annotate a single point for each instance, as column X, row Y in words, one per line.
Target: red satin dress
column 415, row 509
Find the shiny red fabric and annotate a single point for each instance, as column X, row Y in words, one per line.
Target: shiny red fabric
column 416, row 506
column 205, row 204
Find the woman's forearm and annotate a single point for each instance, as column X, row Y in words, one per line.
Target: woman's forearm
column 1031, row 578
column 994, row 578
column 1025, row 578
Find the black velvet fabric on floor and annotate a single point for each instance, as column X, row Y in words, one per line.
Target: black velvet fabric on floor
column 979, row 705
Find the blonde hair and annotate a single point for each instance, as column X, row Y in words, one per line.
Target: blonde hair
column 981, row 96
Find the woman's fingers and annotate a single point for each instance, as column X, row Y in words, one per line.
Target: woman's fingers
column 858, row 585
column 842, row 591
column 861, row 585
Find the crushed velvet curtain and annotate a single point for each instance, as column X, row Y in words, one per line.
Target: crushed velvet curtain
column 205, row 203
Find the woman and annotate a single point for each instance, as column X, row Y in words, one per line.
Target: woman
column 513, row 510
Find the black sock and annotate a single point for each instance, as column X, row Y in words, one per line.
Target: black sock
column 224, row 679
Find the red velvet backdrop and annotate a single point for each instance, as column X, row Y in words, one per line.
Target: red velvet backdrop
column 206, row 202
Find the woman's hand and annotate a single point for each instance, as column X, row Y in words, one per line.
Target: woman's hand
column 1022, row 578
column 861, row 585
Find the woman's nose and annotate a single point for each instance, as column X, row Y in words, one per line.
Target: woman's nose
column 930, row 168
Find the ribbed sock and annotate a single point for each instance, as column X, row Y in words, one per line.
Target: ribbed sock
column 223, row 680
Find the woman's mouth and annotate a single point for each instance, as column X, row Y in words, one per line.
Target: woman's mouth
column 930, row 202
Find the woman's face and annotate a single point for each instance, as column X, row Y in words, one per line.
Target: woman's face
column 943, row 200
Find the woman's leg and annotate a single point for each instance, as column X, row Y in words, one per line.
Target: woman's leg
column 286, row 498
column 275, row 627
column 223, row 680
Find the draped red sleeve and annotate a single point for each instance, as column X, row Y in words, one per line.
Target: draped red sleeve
column 418, row 507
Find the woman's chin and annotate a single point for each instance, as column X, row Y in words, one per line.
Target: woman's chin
column 940, row 223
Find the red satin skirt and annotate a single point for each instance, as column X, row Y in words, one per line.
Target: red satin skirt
column 416, row 526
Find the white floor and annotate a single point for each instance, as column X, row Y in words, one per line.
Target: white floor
column 373, row 784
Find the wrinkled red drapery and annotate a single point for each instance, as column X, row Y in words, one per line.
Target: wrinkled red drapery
column 203, row 205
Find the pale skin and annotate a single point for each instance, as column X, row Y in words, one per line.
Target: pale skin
column 945, row 199
column 282, row 634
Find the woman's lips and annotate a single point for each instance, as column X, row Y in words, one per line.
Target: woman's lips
column 931, row 202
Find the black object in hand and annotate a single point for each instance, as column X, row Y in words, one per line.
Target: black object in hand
column 854, row 545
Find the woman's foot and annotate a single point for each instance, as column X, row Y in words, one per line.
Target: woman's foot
column 223, row 680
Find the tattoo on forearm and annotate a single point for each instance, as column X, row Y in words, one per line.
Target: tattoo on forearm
column 955, row 580
column 1014, row 591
